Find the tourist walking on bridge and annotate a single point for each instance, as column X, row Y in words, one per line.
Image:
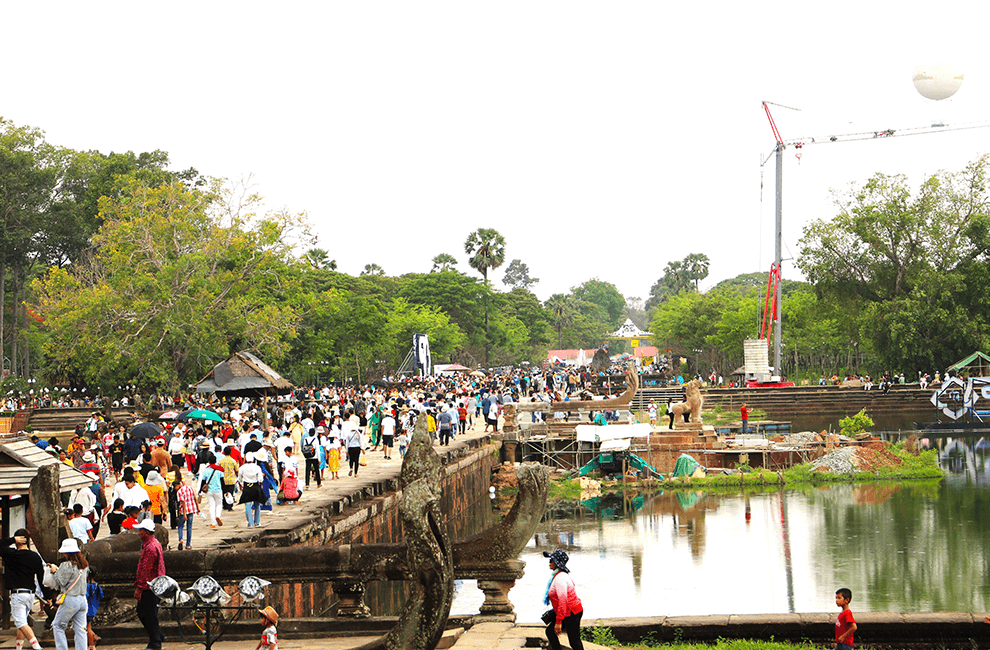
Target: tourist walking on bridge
column 562, row 597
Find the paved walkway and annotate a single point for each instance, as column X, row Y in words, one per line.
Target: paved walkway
column 482, row 636
column 287, row 517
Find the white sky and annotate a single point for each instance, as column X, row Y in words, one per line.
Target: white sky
column 601, row 139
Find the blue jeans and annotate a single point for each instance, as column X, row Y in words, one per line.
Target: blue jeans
column 71, row 612
column 252, row 510
column 186, row 521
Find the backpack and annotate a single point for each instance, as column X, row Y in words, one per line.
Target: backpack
column 308, row 449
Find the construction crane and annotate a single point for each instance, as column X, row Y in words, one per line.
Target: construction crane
column 772, row 303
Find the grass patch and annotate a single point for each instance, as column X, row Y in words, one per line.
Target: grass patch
column 564, row 489
column 723, row 644
column 717, row 417
column 757, row 477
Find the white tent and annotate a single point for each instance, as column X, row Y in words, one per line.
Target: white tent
column 595, row 433
column 629, row 331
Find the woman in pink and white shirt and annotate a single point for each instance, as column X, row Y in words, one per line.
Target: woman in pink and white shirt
column 562, row 596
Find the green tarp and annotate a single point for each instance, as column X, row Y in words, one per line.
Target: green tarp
column 685, row 466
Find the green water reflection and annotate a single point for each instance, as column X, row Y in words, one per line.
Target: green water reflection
column 909, row 546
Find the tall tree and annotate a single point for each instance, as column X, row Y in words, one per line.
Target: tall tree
column 443, row 262
column 563, row 311
column 678, row 276
column 372, row 269
column 904, row 264
column 696, row 268
column 517, row 276
column 487, row 250
column 31, row 172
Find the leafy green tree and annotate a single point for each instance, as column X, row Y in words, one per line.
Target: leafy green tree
column 170, row 291
column 461, row 297
column 517, row 276
column 372, row 269
column 487, row 250
column 606, row 296
column 404, row 319
column 883, row 236
column 905, row 266
column 443, row 262
column 31, row 172
column 525, row 306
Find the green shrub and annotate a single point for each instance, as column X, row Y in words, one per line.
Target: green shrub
column 600, row 634
column 856, row 424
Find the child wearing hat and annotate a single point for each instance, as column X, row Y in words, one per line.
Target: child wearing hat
column 269, row 637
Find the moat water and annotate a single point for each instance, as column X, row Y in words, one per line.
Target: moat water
column 900, row 546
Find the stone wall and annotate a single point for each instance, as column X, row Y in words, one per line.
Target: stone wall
column 376, row 520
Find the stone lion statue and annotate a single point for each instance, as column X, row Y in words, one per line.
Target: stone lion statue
column 691, row 407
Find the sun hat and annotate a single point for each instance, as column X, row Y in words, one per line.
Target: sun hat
column 154, row 478
column 88, row 457
column 269, row 613
column 558, row 557
column 69, row 545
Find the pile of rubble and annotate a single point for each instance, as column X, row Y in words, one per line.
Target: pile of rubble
column 808, row 437
column 839, row 461
column 856, row 459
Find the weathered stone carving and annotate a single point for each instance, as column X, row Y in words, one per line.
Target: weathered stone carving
column 428, row 549
column 622, row 401
column 692, row 404
column 506, row 540
column 45, row 511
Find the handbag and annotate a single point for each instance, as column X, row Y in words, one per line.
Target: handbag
column 205, row 487
column 549, row 617
column 61, row 597
column 364, row 459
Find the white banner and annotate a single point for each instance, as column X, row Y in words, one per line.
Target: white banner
column 423, row 361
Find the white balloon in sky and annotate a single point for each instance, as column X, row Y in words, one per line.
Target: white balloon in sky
column 937, row 80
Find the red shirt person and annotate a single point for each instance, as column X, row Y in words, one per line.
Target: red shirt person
column 151, row 565
column 845, row 624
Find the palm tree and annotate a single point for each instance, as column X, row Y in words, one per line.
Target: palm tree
column 372, row 269
column 320, row 259
column 696, row 266
column 443, row 262
column 562, row 311
column 487, row 250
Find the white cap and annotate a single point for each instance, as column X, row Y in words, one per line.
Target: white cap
column 147, row 524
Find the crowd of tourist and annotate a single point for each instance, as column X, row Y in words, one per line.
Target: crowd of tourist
column 262, row 457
